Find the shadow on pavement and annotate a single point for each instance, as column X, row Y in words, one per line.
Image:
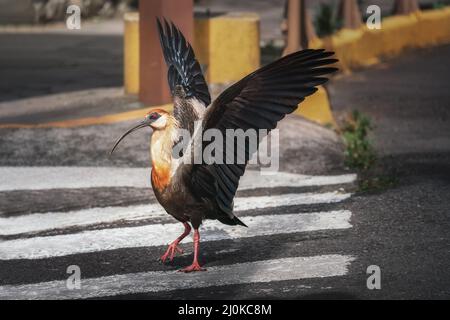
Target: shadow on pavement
column 36, row 64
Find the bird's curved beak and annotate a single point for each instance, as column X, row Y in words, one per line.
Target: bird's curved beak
column 142, row 124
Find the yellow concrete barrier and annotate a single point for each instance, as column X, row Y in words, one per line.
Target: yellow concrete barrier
column 131, row 53
column 227, row 45
column 362, row 47
column 317, row 108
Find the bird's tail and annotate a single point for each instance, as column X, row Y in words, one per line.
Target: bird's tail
column 239, row 222
column 232, row 221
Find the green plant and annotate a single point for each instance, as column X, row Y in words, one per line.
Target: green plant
column 133, row 4
column 377, row 183
column 359, row 153
column 325, row 22
column 373, row 175
column 440, row 4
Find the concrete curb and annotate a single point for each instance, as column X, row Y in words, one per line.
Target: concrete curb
column 88, row 121
column 363, row 47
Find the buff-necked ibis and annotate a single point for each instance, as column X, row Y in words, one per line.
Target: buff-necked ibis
column 192, row 192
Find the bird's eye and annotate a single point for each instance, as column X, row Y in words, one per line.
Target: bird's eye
column 154, row 116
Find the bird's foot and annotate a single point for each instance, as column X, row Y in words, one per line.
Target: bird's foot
column 170, row 253
column 192, row 268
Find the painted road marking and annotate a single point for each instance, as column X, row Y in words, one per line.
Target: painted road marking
column 45, row 178
column 290, row 199
column 58, row 220
column 158, row 281
column 88, row 121
column 161, row 234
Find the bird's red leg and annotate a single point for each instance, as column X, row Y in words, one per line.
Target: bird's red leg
column 195, row 266
column 173, row 247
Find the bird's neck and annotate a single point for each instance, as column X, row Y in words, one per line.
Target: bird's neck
column 161, row 153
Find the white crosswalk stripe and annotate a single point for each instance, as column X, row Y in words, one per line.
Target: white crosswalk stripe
column 160, row 234
column 46, row 178
column 57, row 220
column 155, row 229
column 156, row 281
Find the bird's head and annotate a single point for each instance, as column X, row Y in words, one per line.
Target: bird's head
column 156, row 119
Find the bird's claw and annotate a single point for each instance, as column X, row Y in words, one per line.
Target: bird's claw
column 170, row 253
column 192, row 268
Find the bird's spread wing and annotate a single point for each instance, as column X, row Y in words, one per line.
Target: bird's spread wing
column 258, row 101
column 183, row 68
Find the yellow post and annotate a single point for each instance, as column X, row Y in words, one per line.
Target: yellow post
column 317, row 108
column 227, row 46
column 131, row 53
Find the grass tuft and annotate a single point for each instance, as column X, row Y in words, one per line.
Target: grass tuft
column 359, row 153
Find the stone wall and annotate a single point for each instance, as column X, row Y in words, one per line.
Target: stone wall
column 43, row 11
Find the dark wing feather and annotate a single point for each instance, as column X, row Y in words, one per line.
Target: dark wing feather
column 183, row 68
column 258, row 101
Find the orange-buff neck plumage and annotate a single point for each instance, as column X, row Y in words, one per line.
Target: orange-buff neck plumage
column 161, row 144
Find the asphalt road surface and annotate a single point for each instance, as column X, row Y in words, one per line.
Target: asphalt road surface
column 311, row 234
